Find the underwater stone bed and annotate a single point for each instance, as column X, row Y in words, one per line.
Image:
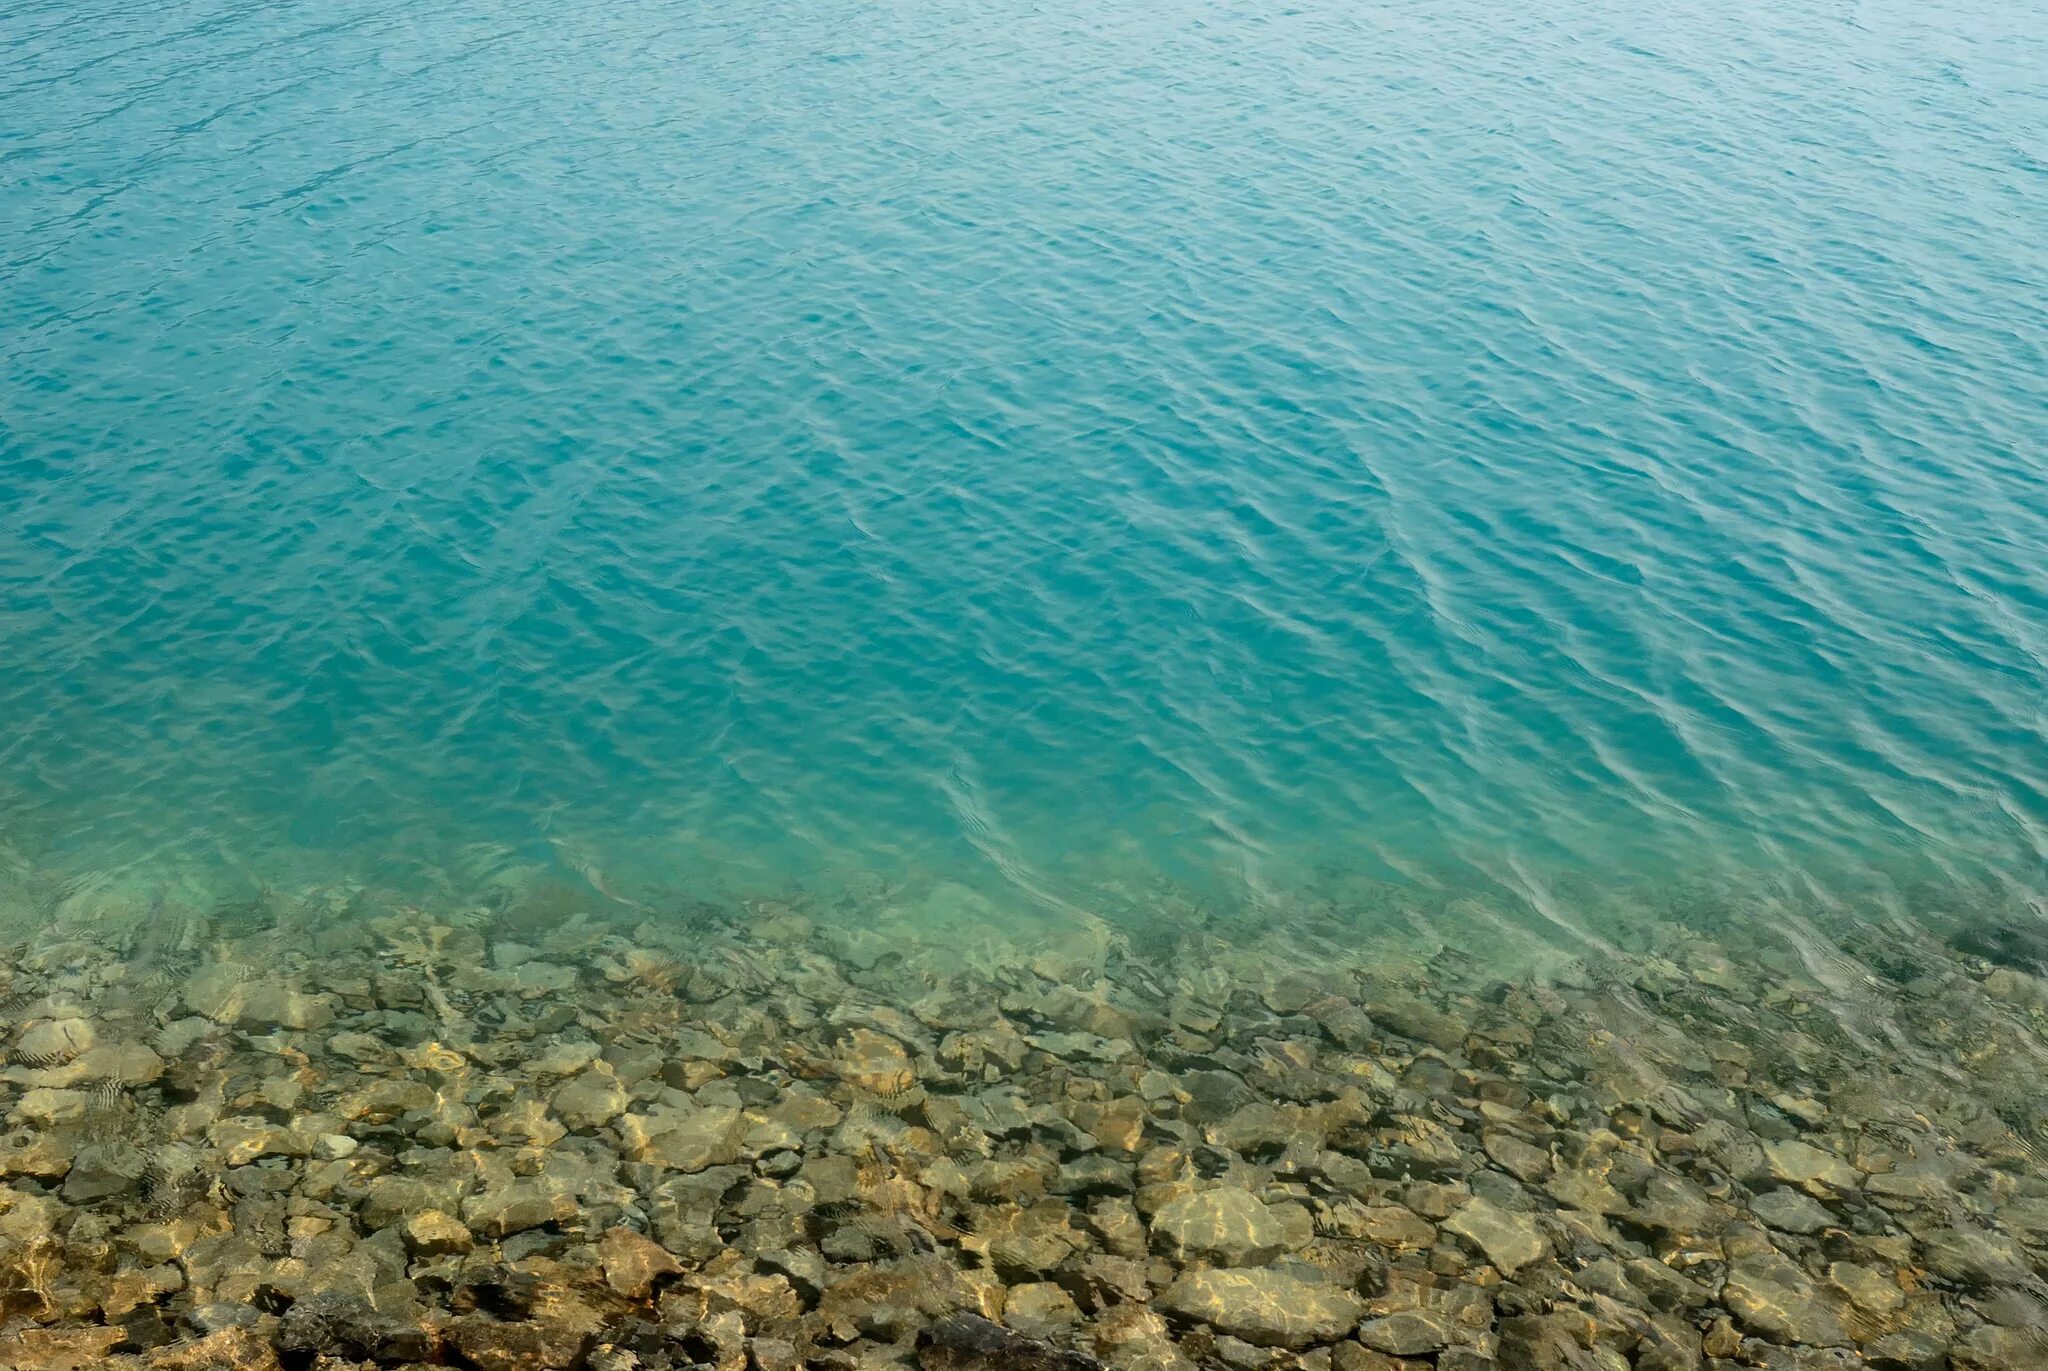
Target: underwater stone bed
column 396, row 1141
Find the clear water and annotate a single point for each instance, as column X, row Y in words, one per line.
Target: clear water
column 1049, row 451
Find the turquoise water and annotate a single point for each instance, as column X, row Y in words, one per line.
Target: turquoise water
column 1053, row 451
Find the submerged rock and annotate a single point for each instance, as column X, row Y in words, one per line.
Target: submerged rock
column 967, row 1342
column 1510, row 1240
column 1265, row 1307
column 1223, row 1227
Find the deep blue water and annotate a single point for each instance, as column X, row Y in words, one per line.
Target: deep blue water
column 1043, row 447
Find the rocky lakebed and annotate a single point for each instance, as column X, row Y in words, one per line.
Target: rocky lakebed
column 543, row 1138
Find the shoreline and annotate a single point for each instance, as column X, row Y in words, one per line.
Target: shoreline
column 551, row 1140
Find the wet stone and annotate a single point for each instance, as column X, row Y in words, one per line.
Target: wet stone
column 1775, row 1300
column 432, row 1233
column 633, row 1262
column 516, row 1206
column 1225, row 1226
column 1265, row 1307
column 965, row 1342
column 1409, row 1333
column 1801, row 1163
column 1211, row 1096
column 1790, row 1211
column 343, row 1322
column 1509, row 1240
column 1040, row 1309
column 1519, row 1158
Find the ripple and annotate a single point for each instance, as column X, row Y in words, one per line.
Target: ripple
column 1052, row 453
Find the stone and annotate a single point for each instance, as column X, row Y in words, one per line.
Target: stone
column 133, row 1287
column 1040, row 1309
column 56, row 1040
column 633, row 1262
column 874, row 1062
column 564, row 1059
column 515, row 1207
column 590, row 1100
column 58, row 1349
column 1223, row 1227
column 1510, row 1240
column 967, row 1342
column 1523, row 1160
column 50, row 1107
column 244, row 1140
column 1973, row 1256
column 226, row 994
column 122, row 1063
column 103, row 1170
column 389, row 1200
column 341, row 1321
column 1866, row 1289
column 1992, row 1348
column 1411, row 1017
column 689, row 1142
column 1034, row 1241
column 41, row 1153
column 244, row 1348
column 1351, row 1356
column 1801, row 1163
column 1264, row 1307
column 1211, row 1096
column 1410, row 1333
column 553, row 1344
column 1391, row 1225
column 1911, row 1349
column 431, row 1233
column 1790, row 1211
column 1771, row 1297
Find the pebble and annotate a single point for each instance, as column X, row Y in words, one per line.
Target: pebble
column 1264, row 1307
column 1223, row 1227
column 437, row 1144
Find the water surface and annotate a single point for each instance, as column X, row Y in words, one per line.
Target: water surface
column 1056, row 452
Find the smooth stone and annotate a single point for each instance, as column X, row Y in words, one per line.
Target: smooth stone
column 968, row 1342
column 61, row 1039
column 342, row 1321
column 1409, row 1333
column 1801, row 1163
column 874, row 1062
column 516, row 1206
column 1774, row 1299
column 1264, row 1307
column 633, row 1262
column 1510, row 1240
column 432, row 1233
column 590, row 1100
column 1790, row 1211
column 1225, row 1227
column 1040, row 1309
column 332, row 1147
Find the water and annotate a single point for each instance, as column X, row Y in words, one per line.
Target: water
column 1037, row 457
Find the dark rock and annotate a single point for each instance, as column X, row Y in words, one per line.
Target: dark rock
column 1991, row 1348
column 497, row 1290
column 1908, row 1349
column 1213, row 1095
column 1790, row 1211
column 551, row 1345
column 1409, row 1333
column 965, row 1342
column 341, row 1321
column 145, row 1330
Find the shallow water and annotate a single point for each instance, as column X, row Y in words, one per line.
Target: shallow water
column 1021, row 461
